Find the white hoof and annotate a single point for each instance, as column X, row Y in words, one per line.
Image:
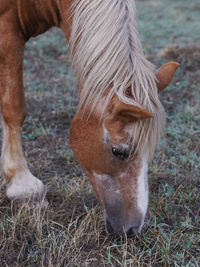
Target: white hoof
column 25, row 185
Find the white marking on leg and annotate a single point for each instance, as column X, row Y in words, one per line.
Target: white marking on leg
column 12, row 156
column 22, row 183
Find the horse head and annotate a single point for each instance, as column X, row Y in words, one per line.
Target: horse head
column 107, row 148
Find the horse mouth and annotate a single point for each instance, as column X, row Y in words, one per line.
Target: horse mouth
column 130, row 232
column 121, row 230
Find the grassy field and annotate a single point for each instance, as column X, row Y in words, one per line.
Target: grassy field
column 70, row 232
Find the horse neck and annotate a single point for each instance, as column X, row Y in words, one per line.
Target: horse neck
column 40, row 15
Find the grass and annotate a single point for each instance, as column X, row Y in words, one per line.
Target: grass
column 70, row 232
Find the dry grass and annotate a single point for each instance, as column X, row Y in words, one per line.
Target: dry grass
column 70, row 231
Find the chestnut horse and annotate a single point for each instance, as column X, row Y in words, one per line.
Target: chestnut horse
column 119, row 117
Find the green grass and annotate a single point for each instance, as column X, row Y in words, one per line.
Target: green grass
column 70, row 232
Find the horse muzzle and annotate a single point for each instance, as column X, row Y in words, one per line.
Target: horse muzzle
column 117, row 226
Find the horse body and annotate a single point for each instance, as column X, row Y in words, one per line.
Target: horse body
column 119, row 116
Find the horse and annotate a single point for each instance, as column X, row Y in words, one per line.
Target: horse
column 119, row 118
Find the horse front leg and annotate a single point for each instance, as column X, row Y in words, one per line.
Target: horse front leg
column 21, row 184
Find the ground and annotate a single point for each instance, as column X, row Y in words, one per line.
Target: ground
column 70, row 232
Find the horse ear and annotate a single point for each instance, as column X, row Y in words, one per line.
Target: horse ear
column 165, row 75
column 129, row 112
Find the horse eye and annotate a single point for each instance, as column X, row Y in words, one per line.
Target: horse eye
column 121, row 154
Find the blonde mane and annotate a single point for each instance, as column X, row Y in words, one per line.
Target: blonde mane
column 108, row 58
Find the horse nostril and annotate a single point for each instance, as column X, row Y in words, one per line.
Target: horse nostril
column 133, row 230
column 129, row 232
